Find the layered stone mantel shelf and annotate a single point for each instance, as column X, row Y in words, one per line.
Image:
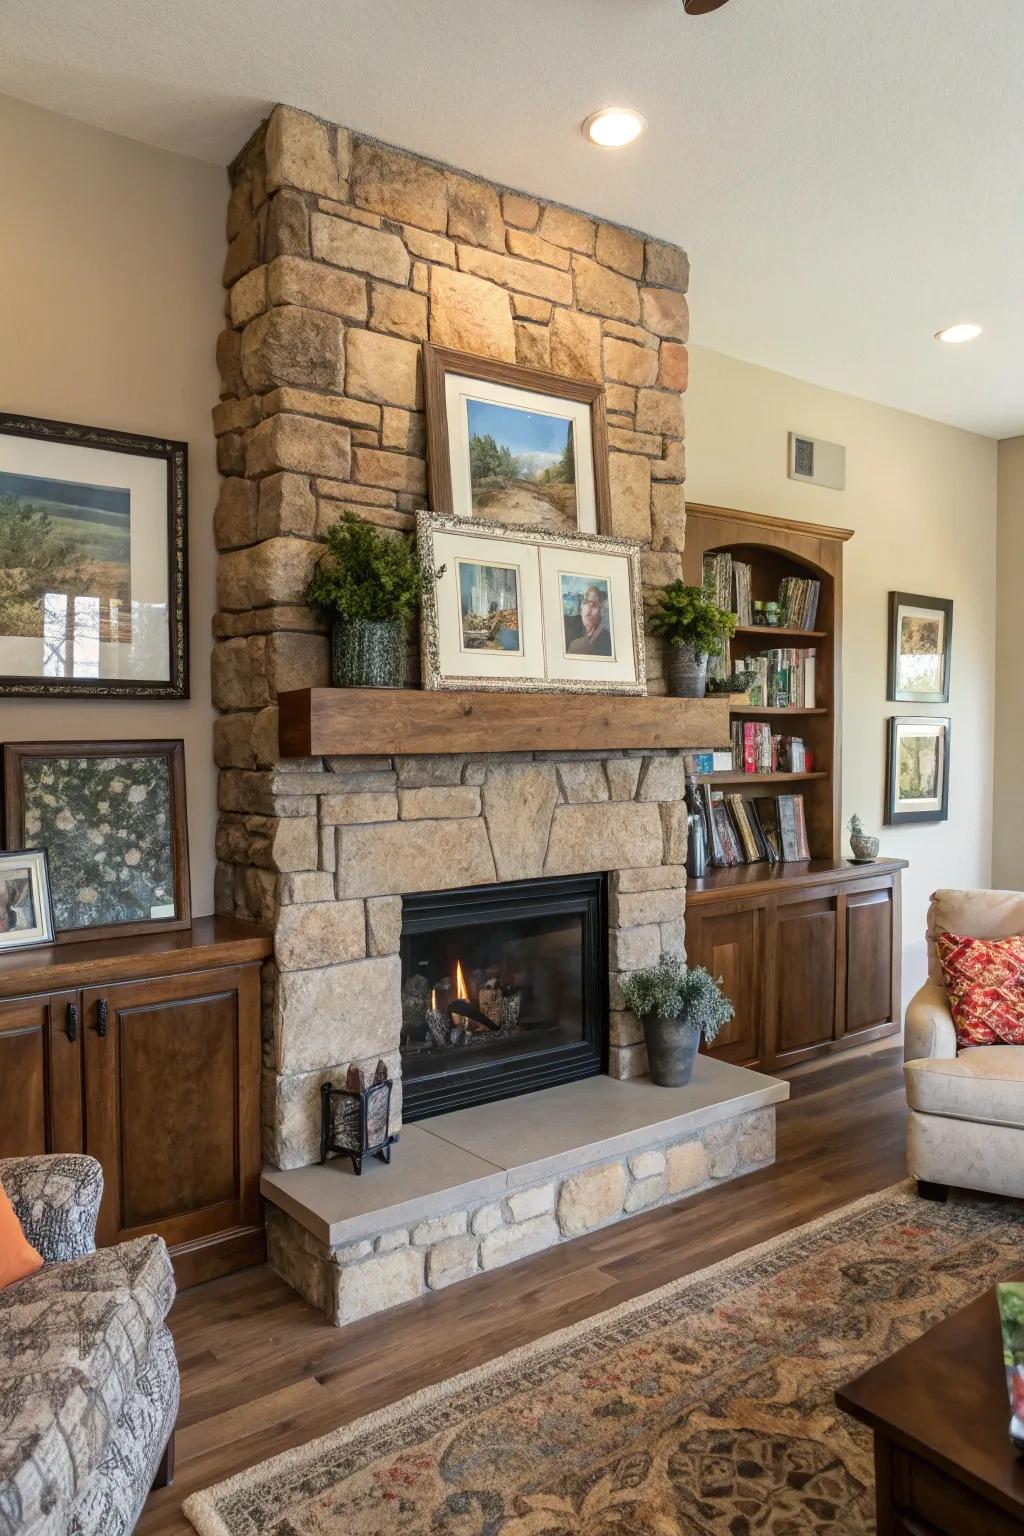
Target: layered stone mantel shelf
column 337, row 722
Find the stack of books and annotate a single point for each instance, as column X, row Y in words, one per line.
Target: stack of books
column 718, row 580
column 798, row 600
column 742, row 595
column 763, row 828
column 785, row 678
column 754, row 748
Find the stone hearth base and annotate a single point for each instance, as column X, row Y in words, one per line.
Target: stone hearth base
column 480, row 1188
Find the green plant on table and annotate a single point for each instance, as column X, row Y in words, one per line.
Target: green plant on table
column 688, row 616
column 672, row 990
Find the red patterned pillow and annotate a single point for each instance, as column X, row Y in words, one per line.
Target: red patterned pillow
column 985, row 982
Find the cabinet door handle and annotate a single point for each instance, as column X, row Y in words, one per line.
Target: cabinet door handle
column 71, row 1022
column 101, row 1016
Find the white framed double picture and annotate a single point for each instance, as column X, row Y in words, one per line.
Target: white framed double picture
column 508, row 607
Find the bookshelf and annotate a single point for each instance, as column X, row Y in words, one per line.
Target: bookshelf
column 809, row 951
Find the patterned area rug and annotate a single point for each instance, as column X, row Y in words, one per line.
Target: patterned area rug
column 704, row 1408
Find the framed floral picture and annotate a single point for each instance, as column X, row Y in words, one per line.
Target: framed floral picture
column 920, row 648
column 917, row 781
column 111, row 817
column 508, row 444
column 26, row 918
column 93, row 562
column 510, row 608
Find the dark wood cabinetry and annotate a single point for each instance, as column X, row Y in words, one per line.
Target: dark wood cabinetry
column 809, row 955
column 145, row 1052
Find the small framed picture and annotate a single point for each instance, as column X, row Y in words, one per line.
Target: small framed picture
column 514, row 609
column 917, row 781
column 93, row 558
column 920, row 646
column 508, row 444
column 26, row 918
column 111, row 817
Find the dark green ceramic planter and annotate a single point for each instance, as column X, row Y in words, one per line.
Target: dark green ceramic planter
column 672, row 1047
column 368, row 653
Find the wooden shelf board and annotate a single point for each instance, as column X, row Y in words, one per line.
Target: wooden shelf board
column 762, row 630
column 339, row 722
column 774, row 709
column 736, row 776
column 758, row 879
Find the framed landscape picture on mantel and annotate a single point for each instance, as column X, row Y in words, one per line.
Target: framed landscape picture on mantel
column 507, row 444
column 92, row 562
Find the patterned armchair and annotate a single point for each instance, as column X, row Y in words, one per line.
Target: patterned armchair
column 88, row 1376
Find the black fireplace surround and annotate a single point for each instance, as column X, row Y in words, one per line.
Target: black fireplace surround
column 504, row 991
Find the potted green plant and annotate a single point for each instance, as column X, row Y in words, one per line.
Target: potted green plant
column 368, row 584
column 695, row 628
column 678, row 1007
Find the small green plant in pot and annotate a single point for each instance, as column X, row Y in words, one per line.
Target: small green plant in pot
column 695, row 628
column 368, row 584
column 678, row 1007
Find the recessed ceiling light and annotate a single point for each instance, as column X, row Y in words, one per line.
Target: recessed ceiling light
column 957, row 333
column 702, row 7
column 613, row 127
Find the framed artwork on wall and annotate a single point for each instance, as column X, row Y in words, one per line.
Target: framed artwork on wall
column 26, row 917
column 93, row 562
column 510, row 608
column 111, row 817
column 917, row 780
column 920, row 647
column 507, row 444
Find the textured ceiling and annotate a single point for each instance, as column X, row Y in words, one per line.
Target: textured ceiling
column 846, row 174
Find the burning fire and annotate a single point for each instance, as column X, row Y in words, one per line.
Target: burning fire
column 461, row 990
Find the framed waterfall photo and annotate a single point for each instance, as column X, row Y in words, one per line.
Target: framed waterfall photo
column 508, row 444
column 920, row 646
column 917, row 781
column 93, row 552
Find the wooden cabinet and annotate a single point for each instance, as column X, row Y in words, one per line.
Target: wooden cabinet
column 149, row 1059
column 808, row 954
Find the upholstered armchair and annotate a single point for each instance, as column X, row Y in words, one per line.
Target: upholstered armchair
column 88, row 1376
column 966, row 1124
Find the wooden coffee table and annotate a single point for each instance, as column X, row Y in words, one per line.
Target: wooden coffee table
column 944, row 1465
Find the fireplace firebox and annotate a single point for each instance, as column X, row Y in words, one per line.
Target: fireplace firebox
column 504, row 991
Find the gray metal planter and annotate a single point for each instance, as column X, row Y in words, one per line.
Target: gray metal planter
column 672, row 1047
column 686, row 672
column 368, row 653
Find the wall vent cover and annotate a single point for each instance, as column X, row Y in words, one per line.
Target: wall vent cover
column 817, row 462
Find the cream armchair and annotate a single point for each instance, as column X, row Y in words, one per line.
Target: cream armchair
column 966, row 1124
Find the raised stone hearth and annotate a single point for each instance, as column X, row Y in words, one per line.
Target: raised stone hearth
column 474, row 1190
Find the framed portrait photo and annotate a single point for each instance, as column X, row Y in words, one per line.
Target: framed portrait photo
column 26, row 918
column 511, row 608
column 920, row 647
column 93, row 562
column 917, row 780
column 507, row 444
column 111, row 817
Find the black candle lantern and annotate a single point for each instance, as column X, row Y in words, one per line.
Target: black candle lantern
column 354, row 1120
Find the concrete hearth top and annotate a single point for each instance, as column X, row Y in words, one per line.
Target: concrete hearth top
column 485, row 1152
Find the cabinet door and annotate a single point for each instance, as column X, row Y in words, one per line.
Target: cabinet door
column 730, row 943
column 40, row 1075
column 869, row 959
column 172, row 1104
column 805, row 975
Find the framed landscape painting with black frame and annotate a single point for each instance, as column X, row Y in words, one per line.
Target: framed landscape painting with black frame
column 920, row 648
column 26, row 917
column 508, row 444
column 111, row 817
column 93, row 562
column 917, row 780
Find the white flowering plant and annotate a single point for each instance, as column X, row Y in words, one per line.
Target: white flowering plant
column 673, row 990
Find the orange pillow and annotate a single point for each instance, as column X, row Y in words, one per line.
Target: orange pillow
column 985, row 982
column 18, row 1259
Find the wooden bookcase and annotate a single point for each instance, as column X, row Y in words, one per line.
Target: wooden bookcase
column 809, row 952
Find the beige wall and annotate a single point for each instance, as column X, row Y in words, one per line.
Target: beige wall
column 1008, row 805
column 110, row 305
column 921, row 499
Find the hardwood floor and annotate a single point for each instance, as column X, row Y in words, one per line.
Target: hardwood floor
column 262, row 1371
